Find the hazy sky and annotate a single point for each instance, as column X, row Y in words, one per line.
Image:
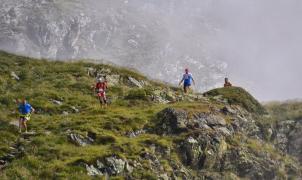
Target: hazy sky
column 262, row 43
column 259, row 39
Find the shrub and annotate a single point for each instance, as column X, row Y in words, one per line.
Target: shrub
column 137, row 94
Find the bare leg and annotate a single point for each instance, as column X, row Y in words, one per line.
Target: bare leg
column 25, row 125
column 20, row 125
column 105, row 101
column 101, row 102
column 186, row 89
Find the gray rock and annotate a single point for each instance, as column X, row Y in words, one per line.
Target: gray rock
column 129, row 168
column 76, row 110
column 295, row 143
column 135, row 83
column 228, row 110
column 65, row 113
column 191, row 152
column 57, row 102
column 92, row 171
column 115, row 165
column 224, row 131
column 164, row 177
column 3, row 164
column 91, row 71
column 172, row 121
column 113, row 80
column 100, row 165
column 133, row 134
column 15, row 76
column 214, row 120
column 79, row 139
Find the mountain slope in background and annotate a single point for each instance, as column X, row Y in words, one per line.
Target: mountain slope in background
column 149, row 131
column 141, row 35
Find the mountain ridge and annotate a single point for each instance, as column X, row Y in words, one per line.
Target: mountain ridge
column 149, row 131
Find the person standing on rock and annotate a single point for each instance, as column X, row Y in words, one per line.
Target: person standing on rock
column 187, row 80
column 227, row 83
column 100, row 88
column 25, row 110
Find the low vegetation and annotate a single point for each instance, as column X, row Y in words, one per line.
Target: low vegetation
column 64, row 101
column 238, row 96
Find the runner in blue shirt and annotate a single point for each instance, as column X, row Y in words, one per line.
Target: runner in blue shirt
column 25, row 110
column 187, row 79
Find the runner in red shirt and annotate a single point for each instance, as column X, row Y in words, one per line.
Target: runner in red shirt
column 100, row 88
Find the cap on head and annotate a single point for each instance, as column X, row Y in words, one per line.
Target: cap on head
column 100, row 79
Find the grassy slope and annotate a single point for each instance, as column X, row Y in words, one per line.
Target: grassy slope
column 50, row 154
column 291, row 110
column 238, row 96
column 42, row 81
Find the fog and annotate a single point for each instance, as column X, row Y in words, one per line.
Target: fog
column 256, row 43
column 261, row 41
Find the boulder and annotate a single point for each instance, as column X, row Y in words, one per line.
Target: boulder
column 113, row 80
column 74, row 109
column 132, row 134
column 191, row 152
column 214, row 120
column 175, row 121
column 91, row 72
column 134, row 83
column 80, row 140
column 93, row 171
column 115, row 165
column 57, row 102
column 172, row 121
column 111, row 166
column 159, row 97
column 15, row 76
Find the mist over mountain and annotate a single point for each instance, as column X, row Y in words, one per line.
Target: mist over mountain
column 255, row 43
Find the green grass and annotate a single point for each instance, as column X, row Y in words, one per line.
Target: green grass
column 50, row 154
column 280, row 111
column 238, row 96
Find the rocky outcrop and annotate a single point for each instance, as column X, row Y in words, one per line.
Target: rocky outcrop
column 287, row 137
column 135, row 83
column 175, row 121
column 207, row 145
column 16, row 151
column 80, row 140
column 109, row 166
column 15, row 76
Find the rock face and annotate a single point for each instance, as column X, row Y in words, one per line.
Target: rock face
column 109, row 166
column 80, row 140
column 209, row 142
column 135, row 83
column 288, row 137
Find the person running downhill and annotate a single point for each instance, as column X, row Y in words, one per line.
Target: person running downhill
column 100, row 88
column 187, row 79
column 25, row 110
column 227, row 83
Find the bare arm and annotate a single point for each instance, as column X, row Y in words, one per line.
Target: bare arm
column 32, row 110
column 181, row 80
column 193, row 81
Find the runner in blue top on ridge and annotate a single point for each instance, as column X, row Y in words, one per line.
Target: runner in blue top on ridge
column 187, row 79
